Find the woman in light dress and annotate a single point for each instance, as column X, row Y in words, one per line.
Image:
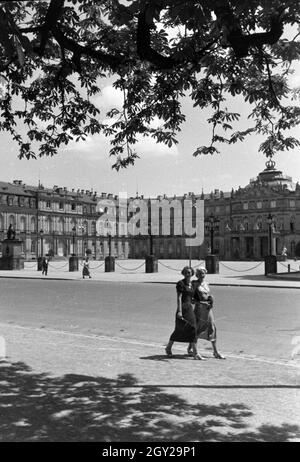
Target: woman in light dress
column 206, row 327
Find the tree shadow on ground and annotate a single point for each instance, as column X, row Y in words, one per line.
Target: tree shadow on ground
column 39, row 407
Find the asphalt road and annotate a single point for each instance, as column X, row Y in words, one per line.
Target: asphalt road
column 85, row 361
column 254, row 321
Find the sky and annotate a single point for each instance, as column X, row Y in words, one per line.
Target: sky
column 160, row 170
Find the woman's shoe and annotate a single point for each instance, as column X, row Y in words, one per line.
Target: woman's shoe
column 190, row 351
column 197, row 356
column 219, row 356
column 168, row 352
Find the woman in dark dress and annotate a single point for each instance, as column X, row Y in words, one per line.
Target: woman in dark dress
column 185, row 323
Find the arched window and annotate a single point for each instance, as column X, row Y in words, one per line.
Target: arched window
column 246, row 224
column 23, row 224
column 46, row 225
column 258, row 224
column 33, row 225
column 292, row 224
column 93, row 228
column 33, row 246
column 12, row 220
column 122, row 229
column 60, row 225
column 293, row 246
column 50, row 225
column 85, row 227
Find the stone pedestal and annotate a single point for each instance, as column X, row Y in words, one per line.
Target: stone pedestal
column 12, row 258
column 73, row 263
column 151, row 264
column 212, row 264
column 281, row 257
column 270, row 264
column 109, row 264
column 39, row 263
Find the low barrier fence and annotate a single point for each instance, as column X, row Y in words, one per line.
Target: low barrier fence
column 288, row 267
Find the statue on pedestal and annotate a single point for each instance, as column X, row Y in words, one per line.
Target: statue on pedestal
column 11, row 233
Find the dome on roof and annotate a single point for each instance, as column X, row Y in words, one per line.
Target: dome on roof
column 272, row 177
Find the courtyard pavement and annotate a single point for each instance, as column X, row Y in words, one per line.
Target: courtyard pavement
column 66, row 377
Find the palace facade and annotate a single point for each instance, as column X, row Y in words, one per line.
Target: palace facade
column 60, row 222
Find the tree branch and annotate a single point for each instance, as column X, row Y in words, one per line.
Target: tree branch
column 78, row 50
column 233, row 35
column 53, row 14
column 143, row 38
column 146, row 52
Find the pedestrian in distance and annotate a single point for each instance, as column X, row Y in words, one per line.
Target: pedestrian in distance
column 86, row 269
column 45, row 266
column 185, row 321
column 206, row 327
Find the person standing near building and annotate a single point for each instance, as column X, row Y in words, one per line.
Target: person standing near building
column 45, row 266
column 86, row 269
column 185, row 322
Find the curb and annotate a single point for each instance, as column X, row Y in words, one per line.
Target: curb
column 220, row 284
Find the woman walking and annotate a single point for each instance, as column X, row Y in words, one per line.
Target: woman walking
column 86, row 269
column 185, row 323
column 206, row 328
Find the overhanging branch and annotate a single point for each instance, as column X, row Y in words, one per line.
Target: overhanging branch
column 146, row 52
column 53, row 14
column 233, row 35
column 78, row 50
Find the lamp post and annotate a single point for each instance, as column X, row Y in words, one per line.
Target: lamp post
column 41, row 235
column 151, row 263
column 108, row 227
column 150, row 241
column 190, row 247
column 270, row 226
column 40, row 258
column 213, row 222
column 73, row 240
column 73, row 260
column 53, row 239
column 211, row 260
column 109, row 261
column 270, row 260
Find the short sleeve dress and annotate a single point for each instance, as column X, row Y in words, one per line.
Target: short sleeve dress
column 185, row 329
column 206, row 328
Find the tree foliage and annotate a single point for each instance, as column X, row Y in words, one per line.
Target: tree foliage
column 53, row 55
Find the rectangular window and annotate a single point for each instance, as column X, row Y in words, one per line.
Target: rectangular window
column 48, row 205
column 61, row 206
column 259, row 205
column 292, row 203
column 273, row 204
column 245, row 205
column 73, row 206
